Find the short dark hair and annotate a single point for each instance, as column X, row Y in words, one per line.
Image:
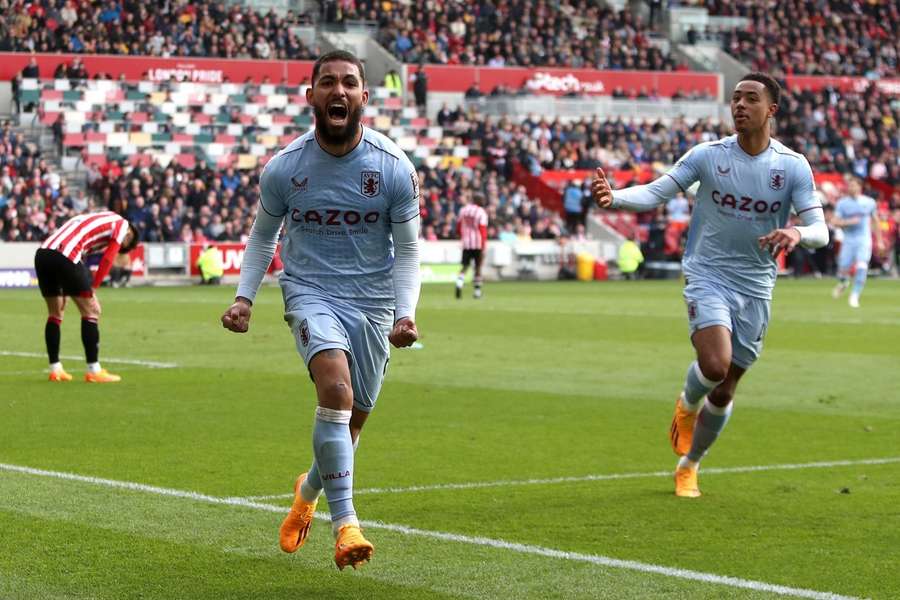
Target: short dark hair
column 478, row 198
column 135, row 239
column 767, row 80
column 341, row 55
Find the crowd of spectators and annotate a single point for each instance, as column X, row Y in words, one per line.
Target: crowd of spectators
column 512, row 214
column 524, row 33
column 831, row 37
column 34, row 198
column 178, row 28
column 851, row 133
column 846, row 132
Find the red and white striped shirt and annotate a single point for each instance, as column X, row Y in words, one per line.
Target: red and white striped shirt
column 473, row 222
column 86, row 234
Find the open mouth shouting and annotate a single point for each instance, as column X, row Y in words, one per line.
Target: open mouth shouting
column 337, row 113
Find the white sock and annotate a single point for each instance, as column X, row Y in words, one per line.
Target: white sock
column 56, row 367
column 460, row 281
column 93, row 367
column 684, row 461
column 308, row 492
column 348, row 520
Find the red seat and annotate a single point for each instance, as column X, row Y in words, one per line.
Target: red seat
column 49, row 118
column 73, row 140
column 185, row 160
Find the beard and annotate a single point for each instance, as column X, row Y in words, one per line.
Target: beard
column 337, row 135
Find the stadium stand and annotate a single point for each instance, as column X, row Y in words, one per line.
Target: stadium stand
column 822, row 38
column 183, row 158
column 516, row 33
column 197, row 28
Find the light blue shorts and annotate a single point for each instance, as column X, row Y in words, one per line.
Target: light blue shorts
column 746, row 317
column 853, row 253
column 320, row 323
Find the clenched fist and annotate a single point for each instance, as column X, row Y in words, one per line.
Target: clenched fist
column 404, row 333
column 237, row 317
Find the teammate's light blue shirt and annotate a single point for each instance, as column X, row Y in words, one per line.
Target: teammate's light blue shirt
column 741, row 198
column 338, row 213
column 863, row 207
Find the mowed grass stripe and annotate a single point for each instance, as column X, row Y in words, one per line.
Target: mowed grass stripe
column 603, row 561
column 601, row 477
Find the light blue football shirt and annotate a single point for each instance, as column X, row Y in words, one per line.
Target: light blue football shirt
column 338, row 212
column 863, row 207
column 741, row 198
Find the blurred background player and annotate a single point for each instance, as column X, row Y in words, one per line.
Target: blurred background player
column 61, row 272
column 349, row 200
column 856, row 215
column 120, row 273
column 748, row 184
column 210, row 265
column 472, row 224
column 630, row 258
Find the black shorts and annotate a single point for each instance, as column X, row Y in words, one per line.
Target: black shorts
column 469, row 256
column 59, row 276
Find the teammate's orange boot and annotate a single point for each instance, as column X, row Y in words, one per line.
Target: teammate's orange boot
column 686, row 483
column 295, row 527
column 351, row 548
column 101, row 376
column 59, row 375
column 681, row 433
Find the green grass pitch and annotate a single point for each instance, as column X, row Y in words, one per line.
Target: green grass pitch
column 533, row 382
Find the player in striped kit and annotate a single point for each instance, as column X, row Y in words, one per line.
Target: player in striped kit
column 749, row 184
column 61, row 272
column 472, row 223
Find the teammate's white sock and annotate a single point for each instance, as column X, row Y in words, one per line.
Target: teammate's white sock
column 460, row 281
column 308, row 492
column 56, row 367
column 338, row 523
column 684, row 461
column 94, row 367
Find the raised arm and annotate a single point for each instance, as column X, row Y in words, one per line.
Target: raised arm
column 647, row 197
column 258, row 254
column 404, row 214
column 638, row 198
column 406, row 268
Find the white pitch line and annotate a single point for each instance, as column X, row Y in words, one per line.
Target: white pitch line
column 595, row 559
column 607, row 477
column 121, row 361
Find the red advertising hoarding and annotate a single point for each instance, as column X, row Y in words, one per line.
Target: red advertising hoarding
column 137, row 68
column 557, row 81
column 138, row 263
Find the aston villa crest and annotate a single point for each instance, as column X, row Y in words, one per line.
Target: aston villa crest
column 370, row 183
column 776, row 179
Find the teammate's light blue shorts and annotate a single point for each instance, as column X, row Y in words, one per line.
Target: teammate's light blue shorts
column 854, row 252
column 320, row 323
column 746, row 317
